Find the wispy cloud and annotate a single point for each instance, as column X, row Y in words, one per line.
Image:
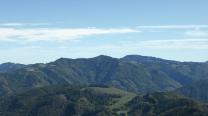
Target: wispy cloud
column 197, row 33
column 56, row 34
column 18, row 24
column 134, row 47
column 196, row 43
column 172, row 27
column 11, row 24
column 188, row 31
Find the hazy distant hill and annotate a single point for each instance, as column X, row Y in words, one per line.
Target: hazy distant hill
column 9, row 67
column 96, row 101
column 133, row 73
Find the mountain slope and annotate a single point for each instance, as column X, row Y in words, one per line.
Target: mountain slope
column 66, row 101
column 102, row 70
column 165, row 104
column 196, row 90
column 96, row 101
column 182, row 72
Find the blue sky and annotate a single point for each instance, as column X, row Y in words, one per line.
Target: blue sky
column 44, row 30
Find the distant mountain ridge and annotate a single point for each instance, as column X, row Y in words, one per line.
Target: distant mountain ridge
column 182, row 72
column 9, row 67
column 132, row 73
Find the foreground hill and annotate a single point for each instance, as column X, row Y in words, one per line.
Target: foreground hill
column 96, row 101
column 131, row 73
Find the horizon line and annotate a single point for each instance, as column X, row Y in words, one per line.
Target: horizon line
column 77, row 58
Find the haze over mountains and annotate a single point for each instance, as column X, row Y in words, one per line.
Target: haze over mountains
column 137, row 74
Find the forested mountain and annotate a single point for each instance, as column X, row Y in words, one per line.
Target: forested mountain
column 197, row 90
column 96, row 86
column 182, row 72
column 69, row 100
column 132, row 73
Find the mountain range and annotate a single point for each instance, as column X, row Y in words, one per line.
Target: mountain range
column 133, row 73
column 132, row 85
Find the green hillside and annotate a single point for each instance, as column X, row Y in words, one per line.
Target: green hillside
column 96, row 101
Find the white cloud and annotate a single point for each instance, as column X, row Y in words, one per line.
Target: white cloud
column 134, row 47
column 190, row 44
column 12, row 24
column 172, row 27
column 16, row 24
column 197, row 33
column 56, row 34
column 175, row 44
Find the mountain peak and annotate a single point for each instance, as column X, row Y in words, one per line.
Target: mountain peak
column 7, row 63
column 7, row 67
column 103, row 56
column 140, row 57
column 63, row 59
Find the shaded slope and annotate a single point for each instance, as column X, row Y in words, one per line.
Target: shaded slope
column 165, row 104
column 64, row 101
column 96, row 101
column 197, row 90
column 182, row 72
